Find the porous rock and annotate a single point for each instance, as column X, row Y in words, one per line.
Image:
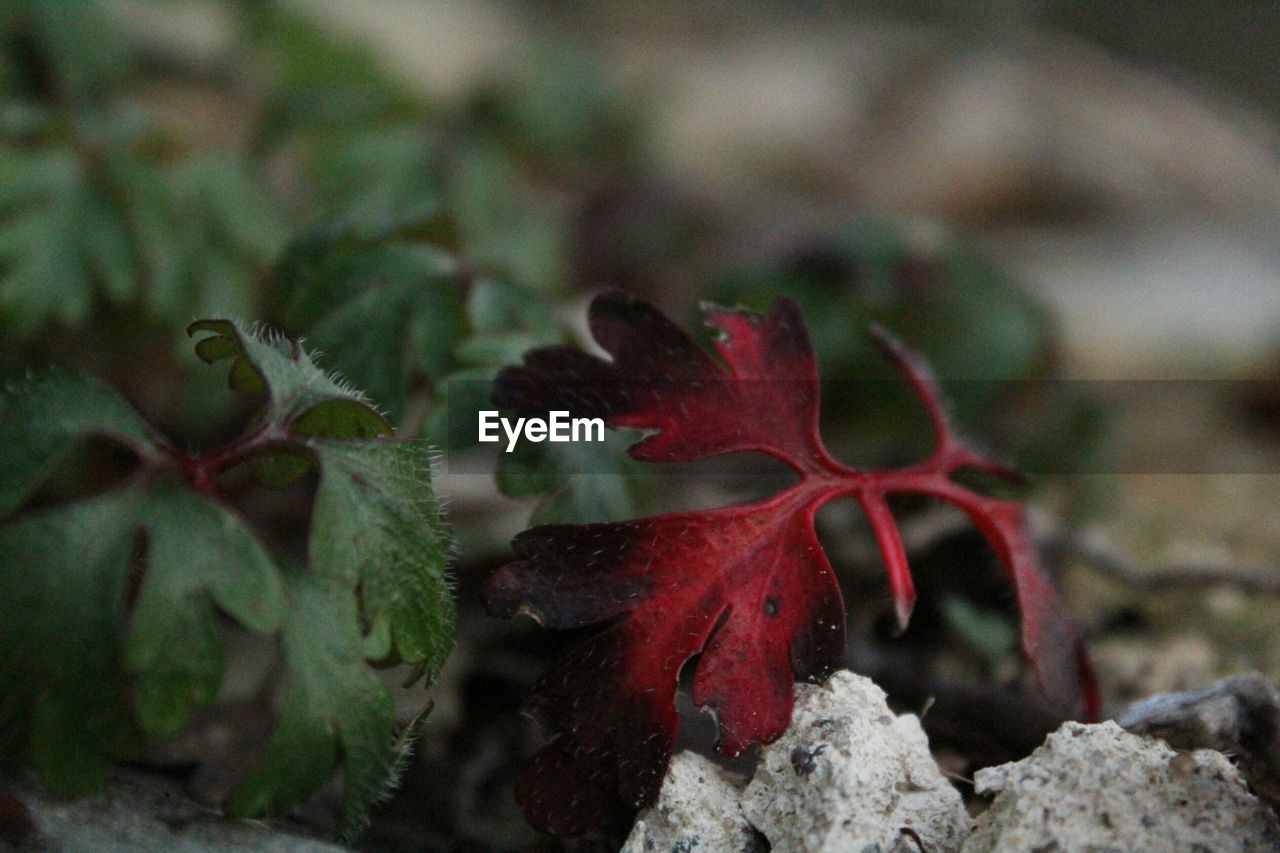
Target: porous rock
column 1098, row 787
column 696, row 810
column 849, row 774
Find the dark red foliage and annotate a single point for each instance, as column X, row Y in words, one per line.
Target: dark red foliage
column 747, row 586
column 16, row 823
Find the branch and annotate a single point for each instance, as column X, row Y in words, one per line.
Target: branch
column 1093, row 549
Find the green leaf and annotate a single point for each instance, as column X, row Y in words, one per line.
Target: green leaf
column 42, row 274
column 62, row 681
column 93, row 213
column 559, row 109
column 310, row 61
column 229, row 231
column 200, row 556
column 334, row 705
column 506, row 227
column 41, row 419
column 358, row 133
column 368, row 171
column 377, row 526
column 580, row 482
column 497, row 306
column 506, row 321
column 377, row 556
column 62, row 591
column 381, row 300
column 983, row 332
column 298, row 394
column 376, row 521
column 79, row 39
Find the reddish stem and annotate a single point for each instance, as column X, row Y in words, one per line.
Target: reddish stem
column 202, row 470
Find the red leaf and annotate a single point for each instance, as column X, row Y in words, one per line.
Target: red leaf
column 747, row 587
column 16, row 824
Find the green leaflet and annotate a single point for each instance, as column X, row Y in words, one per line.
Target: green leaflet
column 579, row 482
column 125, row 225
column 41, row 419
column 298, row 394
column 62, row 602
column 501, row 226
column 377, row 526
column 40, row 280
column 98, row 203
column 199, row 556
column 62, row 681
column 334, row 705
column 382, row 300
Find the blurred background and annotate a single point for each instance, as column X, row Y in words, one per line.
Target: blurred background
column 1071, row 207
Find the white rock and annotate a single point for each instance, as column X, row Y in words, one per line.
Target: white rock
column 1098, row 787
column 697, row 810
column 849, row 775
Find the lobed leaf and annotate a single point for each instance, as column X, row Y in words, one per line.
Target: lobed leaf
column 377, row 528
column 297, row 393
column 117, row 226
column 63, row 599
column 334, row 708
column 383, row 301
column 377, row 556
column 200, row 558
column 42, row 418
column 745, row 588
column 63, row 574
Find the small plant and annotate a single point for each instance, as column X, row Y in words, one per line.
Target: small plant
column 110, row 602
column 747, row 587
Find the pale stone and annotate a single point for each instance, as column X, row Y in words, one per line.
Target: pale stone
column 1100, row 788
column 849, row 774
column 697, row 810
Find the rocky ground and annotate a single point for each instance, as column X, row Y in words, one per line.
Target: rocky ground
column 1142, row 208
column 851, row 775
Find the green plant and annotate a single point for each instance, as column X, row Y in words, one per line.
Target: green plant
column 110, row 601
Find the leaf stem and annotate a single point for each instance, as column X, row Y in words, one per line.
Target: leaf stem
column 202, row 470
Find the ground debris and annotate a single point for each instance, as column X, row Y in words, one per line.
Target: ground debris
column 138, row 810
column 1239, row 716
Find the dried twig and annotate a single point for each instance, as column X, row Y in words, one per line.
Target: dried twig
column 1092, row 549
column 1239, row 715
